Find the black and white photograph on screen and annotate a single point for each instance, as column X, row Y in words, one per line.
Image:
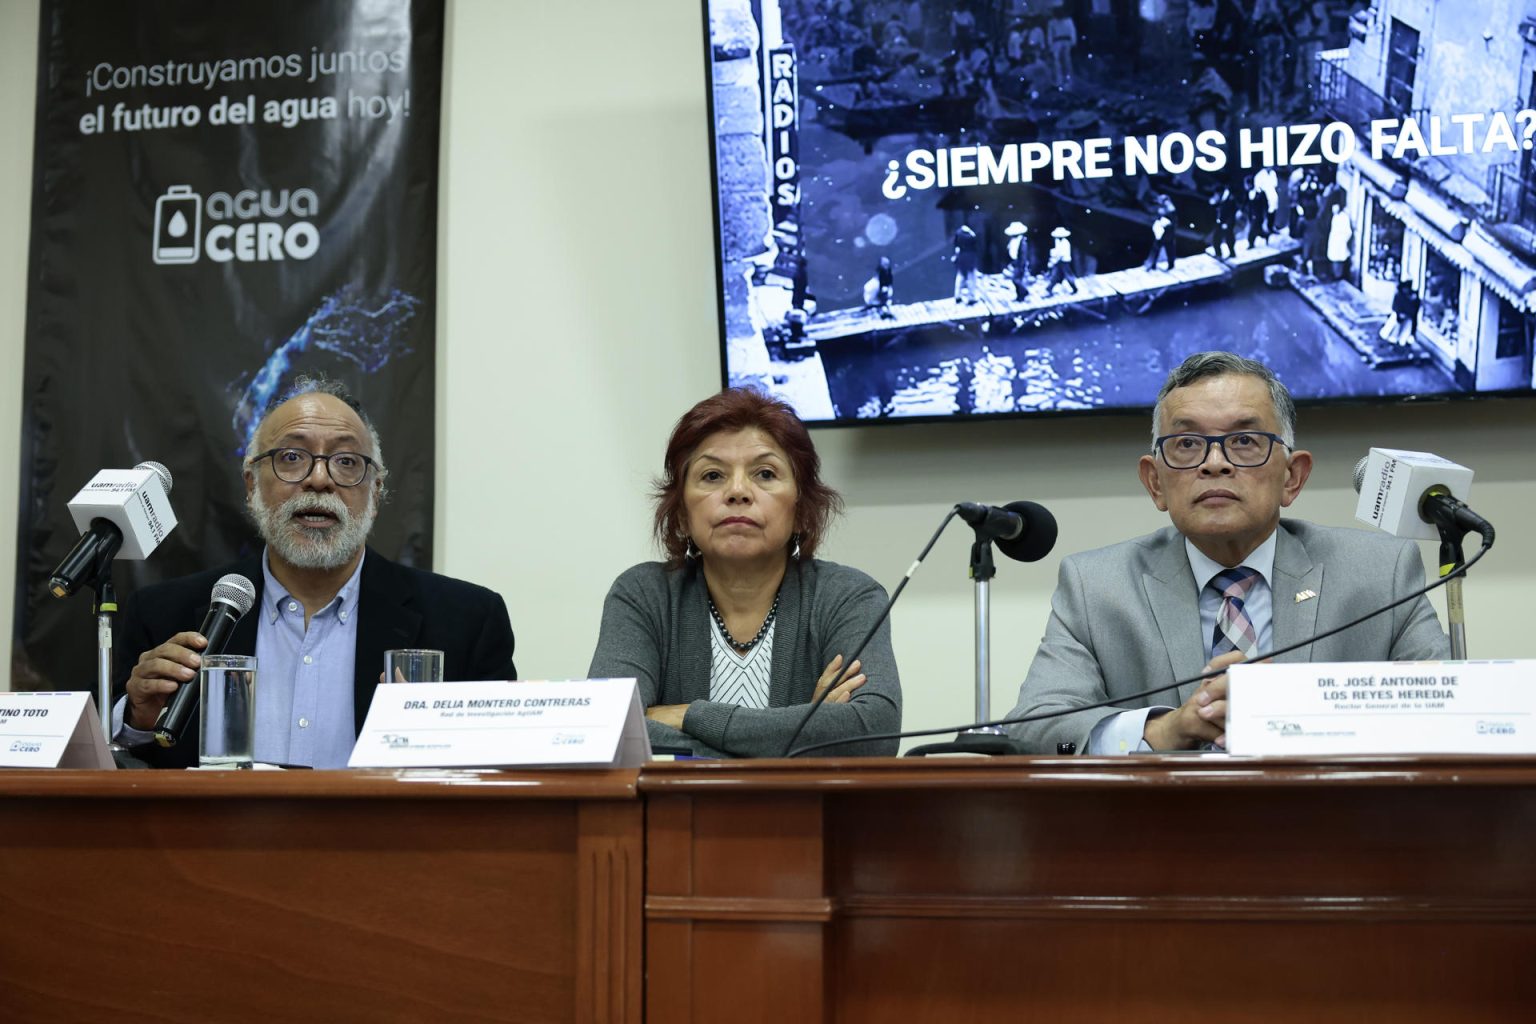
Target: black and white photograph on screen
column 1004, row 207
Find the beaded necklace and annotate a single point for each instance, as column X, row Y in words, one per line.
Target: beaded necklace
column 726, row 633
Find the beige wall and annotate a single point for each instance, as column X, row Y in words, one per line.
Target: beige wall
column 577, row 322
column 18, row 93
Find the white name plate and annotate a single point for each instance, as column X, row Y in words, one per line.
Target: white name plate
column 51, row 730
column 593, row 723
column 1383, row 707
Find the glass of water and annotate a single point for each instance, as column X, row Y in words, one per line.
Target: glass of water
column 413, row 665
column 227, row 706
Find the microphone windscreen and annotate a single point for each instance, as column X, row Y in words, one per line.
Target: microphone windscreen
column 159, row 470
column 1039, row 535
column 236, row 591
column 1360, row 472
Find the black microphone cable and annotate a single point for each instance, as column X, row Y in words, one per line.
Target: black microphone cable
column 1044, row 715
column 821, row 697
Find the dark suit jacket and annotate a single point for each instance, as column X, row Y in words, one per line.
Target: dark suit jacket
column 398, row 606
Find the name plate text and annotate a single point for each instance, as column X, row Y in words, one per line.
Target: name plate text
column 594, row 723
column 1427, row 707
column 51, row 730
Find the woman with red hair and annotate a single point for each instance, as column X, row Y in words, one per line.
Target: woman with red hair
column 741, row 626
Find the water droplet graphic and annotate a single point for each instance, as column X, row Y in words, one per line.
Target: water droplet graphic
column 177, row 227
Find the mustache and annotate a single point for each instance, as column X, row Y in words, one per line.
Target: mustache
column 299, row 546
column 301, row 503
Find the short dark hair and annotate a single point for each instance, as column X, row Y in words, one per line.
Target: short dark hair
column 742, row 409
column 1218, row 364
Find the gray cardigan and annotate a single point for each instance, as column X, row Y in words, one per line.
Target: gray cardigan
column 656, row 627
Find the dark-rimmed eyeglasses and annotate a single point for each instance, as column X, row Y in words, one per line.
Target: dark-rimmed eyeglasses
column 1245, row 449
column 293, row 465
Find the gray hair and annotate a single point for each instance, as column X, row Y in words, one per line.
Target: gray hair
column 1219, row 364
column 321, row 385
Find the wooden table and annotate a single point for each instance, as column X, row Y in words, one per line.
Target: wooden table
column 326, row 896
column 1135, row 889
column 1021, row 889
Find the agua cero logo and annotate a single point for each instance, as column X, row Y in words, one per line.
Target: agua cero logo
column 249, row 226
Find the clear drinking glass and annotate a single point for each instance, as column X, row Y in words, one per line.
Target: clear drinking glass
column 227, row 709
column 413, row 665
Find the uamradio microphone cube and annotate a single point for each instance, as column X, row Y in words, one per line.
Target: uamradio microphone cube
column 1393, row 482
column 134, row 500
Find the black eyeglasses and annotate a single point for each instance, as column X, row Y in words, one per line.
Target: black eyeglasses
column 1245, row 449
column 293, row 465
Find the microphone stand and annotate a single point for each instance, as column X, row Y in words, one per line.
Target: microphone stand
column 105, row 608
column 1452, row 559
column 991, row 739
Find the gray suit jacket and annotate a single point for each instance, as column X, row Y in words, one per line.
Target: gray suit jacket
column 1127, row 618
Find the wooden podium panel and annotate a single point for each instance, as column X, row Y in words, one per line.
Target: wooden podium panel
column 1139, row 889
column 335, row 896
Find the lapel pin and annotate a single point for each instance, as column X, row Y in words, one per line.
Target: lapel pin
column 1305, row 595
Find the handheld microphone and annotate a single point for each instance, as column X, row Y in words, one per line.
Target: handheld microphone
column 1022, row 530
column 232, row 597
column 120, row 513
column 1415, row 495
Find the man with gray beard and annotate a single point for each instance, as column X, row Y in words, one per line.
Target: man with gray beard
column 326, row 606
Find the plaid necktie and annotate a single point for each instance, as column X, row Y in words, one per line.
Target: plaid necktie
column 1234, row 630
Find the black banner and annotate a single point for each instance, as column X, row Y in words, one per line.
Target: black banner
column 226, row 196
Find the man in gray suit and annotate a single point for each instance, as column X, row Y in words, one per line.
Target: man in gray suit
column 1227, row 580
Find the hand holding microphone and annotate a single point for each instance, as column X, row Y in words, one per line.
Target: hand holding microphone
column 171, row 668
column 158, row 675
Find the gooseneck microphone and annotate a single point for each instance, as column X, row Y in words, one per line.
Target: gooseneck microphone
column 1022, row 530
column 232, row 597
column 120, row 513
column 816, row 702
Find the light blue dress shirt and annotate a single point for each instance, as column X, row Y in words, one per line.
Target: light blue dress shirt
column 1123, row 733
column 304, row 679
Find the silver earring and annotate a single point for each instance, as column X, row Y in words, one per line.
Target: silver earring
column 796, row 552
column 691, row 550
